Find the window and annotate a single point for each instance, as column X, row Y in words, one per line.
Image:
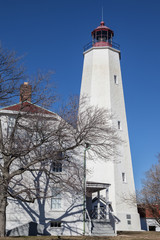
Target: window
column 152, row 228
column 56, row 199
column 98, row 36
column 124, row 180
column 11, row 122
column 57, row 164
column 57, row 167
column 119, row 125
column 128, row 216
column 115, row 79
column 55, row 223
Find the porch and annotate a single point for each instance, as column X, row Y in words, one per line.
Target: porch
column 99, row 217
column 98, row 208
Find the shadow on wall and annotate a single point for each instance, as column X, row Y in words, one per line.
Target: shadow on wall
column 28, row 229
column 38, row 223
column 34, row 228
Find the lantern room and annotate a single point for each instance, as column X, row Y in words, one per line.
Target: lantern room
column 102, row 36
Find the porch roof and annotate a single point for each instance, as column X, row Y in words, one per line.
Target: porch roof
column 92, row 187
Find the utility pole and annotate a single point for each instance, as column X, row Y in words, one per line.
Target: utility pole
column 87, row 146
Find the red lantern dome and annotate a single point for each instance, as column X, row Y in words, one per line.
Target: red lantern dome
column 102, row 36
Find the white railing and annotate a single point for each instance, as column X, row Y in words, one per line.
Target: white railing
column 99, row 214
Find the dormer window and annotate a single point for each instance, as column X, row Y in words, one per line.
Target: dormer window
column 10, row 123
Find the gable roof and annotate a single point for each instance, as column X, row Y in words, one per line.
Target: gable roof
column 27, row 107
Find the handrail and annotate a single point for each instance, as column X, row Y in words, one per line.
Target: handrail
column 89, row 222
column 113, row 220
column 116, row 220
column 91, row 44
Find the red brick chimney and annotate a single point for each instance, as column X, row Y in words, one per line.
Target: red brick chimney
column 25, row 92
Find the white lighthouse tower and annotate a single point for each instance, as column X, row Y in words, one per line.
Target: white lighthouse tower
column 112, row 180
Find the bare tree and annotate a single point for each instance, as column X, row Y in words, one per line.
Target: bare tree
column 32, row 144
column 149, row 197
column 12, row 75
column 36, row 139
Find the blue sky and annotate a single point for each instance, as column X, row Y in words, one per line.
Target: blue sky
column 51, row 35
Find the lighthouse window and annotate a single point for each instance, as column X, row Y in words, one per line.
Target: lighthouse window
column 109, row 35
column 115, row 79
column 124, row 177
column 128, row 216
column 99, row 36
column 119, row 125
column 104, row 36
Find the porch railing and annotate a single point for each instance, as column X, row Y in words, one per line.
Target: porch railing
column 99, row 214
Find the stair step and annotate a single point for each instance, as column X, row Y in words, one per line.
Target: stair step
column 105, row 234
column 102, row 233
column 102, row 229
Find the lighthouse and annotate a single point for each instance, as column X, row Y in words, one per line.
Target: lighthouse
column 109, row 183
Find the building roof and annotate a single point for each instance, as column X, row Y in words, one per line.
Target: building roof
column 147, row 213
column 102, row 27
column 27, row 107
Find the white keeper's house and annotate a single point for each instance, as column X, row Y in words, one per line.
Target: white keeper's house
column 108, row 183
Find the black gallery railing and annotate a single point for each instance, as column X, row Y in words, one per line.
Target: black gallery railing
column 91, row 44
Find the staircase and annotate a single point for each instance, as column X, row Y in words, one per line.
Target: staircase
column 102, row 228
column 102, row 222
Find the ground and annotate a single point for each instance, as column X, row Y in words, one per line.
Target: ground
column 121, row 236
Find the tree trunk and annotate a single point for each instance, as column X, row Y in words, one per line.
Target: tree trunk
column 3, row 205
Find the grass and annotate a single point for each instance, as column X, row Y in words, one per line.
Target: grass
column 121, row 236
